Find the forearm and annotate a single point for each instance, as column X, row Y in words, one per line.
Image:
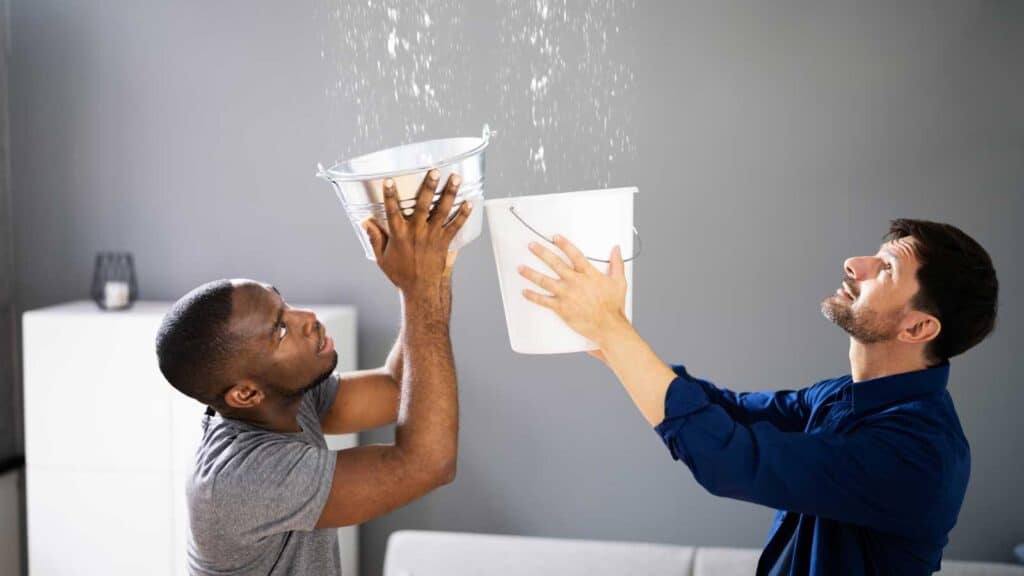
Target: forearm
column 645, row 377
column 395, row 360
column 428, row 416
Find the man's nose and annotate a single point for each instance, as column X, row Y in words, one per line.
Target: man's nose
column 310, row 323
column 858, row 267
column 853, row 267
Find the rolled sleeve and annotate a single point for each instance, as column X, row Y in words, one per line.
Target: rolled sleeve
column 684, row 396
column 323, row 395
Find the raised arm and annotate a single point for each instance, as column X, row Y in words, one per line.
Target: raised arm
column 367, row 399
column 592, row 303
column 373, row 480
column 647, row 379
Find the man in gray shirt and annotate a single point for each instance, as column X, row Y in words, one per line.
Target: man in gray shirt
column 266, row 494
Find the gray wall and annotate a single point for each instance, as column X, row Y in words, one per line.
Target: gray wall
column 10, row 416
column 771, row 143
column 9, row 421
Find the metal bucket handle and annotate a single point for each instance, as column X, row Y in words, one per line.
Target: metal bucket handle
column 639, row 241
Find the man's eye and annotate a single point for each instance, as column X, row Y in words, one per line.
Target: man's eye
column 282, row 331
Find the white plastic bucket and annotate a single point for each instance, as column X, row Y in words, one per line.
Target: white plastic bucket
column 594, row 220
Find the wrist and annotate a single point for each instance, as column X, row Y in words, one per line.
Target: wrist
column 425, row 306
column 618, row 329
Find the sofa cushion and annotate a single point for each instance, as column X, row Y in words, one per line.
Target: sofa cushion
column 423, row 553
column 428, row 553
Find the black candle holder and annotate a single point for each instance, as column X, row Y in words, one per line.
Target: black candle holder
column 114, row 286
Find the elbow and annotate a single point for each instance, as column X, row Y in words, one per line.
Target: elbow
column 432, row 472
column 443, row 472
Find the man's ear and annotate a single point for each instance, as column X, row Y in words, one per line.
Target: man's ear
column 919, row 328
column 244, row 394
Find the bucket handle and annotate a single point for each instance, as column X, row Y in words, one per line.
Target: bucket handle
column 639, row 241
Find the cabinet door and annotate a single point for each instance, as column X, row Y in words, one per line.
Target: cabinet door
column 348, row 537
column 186, row 430
column 98, row 522
column 179, row 525
column 94, row 395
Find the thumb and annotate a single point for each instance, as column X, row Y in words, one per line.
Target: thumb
column 616, row 268
column 376, row 237
column 449, row 262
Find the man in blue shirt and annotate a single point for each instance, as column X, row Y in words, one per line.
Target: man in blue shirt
column 868, row 471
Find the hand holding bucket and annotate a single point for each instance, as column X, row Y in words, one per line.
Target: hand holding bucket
column 595, row 220
column 588, row 301
column 414, row 251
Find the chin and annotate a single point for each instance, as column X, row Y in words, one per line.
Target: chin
column 329, row 366
column 333, row 361
column 835, row 310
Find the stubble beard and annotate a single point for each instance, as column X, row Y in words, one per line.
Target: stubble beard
column 292, row 394
column 864, row 326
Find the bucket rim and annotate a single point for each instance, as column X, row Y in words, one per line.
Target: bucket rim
column 535, row 197
column 332, row 174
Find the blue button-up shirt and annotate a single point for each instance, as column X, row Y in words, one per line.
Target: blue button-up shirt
column 868, row 477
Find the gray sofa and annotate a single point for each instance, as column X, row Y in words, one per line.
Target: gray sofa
column 423, row 553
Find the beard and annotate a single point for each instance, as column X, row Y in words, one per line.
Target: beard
column 864, row 326
column 289, row 394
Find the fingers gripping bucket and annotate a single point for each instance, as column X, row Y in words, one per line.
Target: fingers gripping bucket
column 359, row 182
column 595, row 221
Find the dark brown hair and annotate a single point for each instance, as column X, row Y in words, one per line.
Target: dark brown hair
column 958, row 284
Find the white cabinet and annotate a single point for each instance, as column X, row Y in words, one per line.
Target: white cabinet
column 109, row 443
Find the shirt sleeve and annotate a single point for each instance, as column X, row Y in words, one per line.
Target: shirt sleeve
column 785, row 409
column 879, row 476
column 323, row 394
column 275, row 487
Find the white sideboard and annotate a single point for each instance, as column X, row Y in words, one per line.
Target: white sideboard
column 109, row 443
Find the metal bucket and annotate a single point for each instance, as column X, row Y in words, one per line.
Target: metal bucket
column 359, row 182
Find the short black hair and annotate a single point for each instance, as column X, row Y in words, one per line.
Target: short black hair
column 194, row 343
column 958, row 284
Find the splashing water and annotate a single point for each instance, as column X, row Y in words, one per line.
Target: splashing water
column 562, row 57
column 385, row 67
column 559, row 77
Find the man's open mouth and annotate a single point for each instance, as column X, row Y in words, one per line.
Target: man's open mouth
column 325, row 342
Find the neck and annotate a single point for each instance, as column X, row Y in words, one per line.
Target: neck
column 870, row 361
column 279, row 416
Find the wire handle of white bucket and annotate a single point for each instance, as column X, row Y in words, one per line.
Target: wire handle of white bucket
column 639, row 241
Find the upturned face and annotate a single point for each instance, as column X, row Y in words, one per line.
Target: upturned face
column 285, row 351
column 875, row 297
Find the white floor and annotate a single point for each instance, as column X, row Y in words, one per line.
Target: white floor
column 10, row 530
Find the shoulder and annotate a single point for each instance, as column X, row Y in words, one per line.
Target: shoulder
column 318, row 399
column 927, row 431
column 823, row 390
column 233, row 460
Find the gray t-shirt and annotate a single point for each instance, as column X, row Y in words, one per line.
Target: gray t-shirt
column 255, row 496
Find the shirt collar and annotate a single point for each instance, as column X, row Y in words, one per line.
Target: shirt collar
column 871, row 394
